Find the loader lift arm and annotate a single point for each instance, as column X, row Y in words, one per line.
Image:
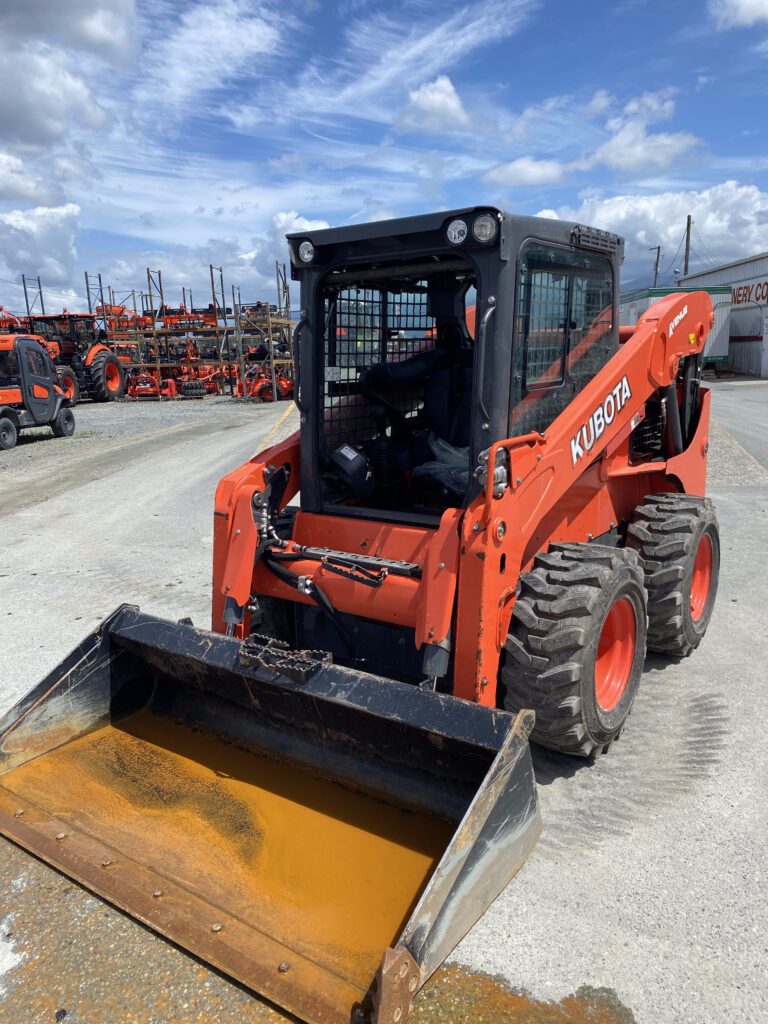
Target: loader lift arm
column 592, row 434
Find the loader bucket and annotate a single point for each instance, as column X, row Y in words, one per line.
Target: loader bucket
column 322, row 835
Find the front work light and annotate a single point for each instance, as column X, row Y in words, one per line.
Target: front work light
column 306, row 252
column 457, row 232
column 485, row 227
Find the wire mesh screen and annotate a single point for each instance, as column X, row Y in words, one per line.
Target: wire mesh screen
column 564, row 328
column 544, row 328
column 363, row 327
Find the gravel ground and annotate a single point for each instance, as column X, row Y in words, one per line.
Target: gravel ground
column 644, row 900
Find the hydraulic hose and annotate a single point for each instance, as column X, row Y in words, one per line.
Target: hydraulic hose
column 318, row 595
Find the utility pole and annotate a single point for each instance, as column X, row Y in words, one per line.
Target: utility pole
column 657, row 250
column 688, row 225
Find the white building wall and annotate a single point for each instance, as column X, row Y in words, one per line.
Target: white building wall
column 748, row 280
column 717, row 343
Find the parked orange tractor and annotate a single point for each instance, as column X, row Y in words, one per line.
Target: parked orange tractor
column 493, row 527
column 87, row 366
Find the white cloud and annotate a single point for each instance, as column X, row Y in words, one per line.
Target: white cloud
column 106, row 27
column 533, row 116
column 186, row 266
column 738, row 13
column 652, row 106
column 274, row 246
column 435, row 107
column 731, row 218
column 47, row 101
column 599, row 104
column 210, row 44
column 629, row 148
column 18, row 183
column 40, row 240
column 526, row 171
column 632, row 148
column 381, row 57
column 250, row 264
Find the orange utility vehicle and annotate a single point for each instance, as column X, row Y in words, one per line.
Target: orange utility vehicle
column 322, row 795
column 30, row 395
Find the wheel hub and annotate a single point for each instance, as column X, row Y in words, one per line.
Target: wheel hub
column 701, row 578
column 615, row 654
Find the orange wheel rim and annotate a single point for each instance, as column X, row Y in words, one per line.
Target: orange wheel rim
column 68, row 387
column 112, row 376
column 615, row 654
column 701, row 580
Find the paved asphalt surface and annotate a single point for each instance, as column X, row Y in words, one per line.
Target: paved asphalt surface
column 742, row 407
column 645, row 899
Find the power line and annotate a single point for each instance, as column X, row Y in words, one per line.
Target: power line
column 706, row 250
column 671, row 263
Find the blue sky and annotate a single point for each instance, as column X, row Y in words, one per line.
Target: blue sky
column 174, row 134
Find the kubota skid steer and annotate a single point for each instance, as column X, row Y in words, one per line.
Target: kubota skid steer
column 498, row 513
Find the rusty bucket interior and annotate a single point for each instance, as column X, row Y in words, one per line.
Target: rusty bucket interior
column 290, row 831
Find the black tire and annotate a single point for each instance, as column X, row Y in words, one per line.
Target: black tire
column 64, row 424
column 549, row 663
column 9, row 435
column 669, row 531
column 107, row 377
column 68, row 383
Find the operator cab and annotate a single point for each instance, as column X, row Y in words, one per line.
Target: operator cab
column 429, row 338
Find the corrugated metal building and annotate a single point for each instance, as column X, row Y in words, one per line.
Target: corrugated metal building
column 747, row 281
column 634, row 304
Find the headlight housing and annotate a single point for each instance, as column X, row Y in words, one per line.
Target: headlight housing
column 457, row 232
column 485, row 227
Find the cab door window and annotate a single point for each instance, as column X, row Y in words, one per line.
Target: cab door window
column 563, row 330
column 35, row 363
column 9, row 369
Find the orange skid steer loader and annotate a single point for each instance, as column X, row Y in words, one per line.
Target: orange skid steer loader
column 495, row 521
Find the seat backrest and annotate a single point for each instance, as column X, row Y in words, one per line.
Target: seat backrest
column 448, row 402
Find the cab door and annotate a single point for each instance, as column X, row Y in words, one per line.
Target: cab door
column 36, row 381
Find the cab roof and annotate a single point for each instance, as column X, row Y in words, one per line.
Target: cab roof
column 7, row 341
column 377, row 237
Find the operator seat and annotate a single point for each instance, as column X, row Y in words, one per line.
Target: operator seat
column 446, row 373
